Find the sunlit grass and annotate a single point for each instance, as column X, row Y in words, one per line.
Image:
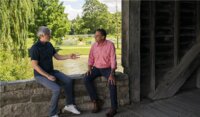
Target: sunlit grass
column 80, row 50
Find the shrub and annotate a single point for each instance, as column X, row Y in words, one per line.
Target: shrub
column 12, row 69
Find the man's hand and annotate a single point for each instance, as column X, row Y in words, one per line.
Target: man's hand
column 52, row 78
column 111, row 80
column 89, row 70
column 74, row 56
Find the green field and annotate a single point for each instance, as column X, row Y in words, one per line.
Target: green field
column 79, row 50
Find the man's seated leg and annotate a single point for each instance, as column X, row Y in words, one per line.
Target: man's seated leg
column 67, row 83
column 113, row 93
column 55, row 88
column 88, row 80
column 113, row 97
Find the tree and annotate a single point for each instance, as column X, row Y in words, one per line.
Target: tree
column 115, row 28
column 95, row 15
column 77, row 26
column 115, row 23
column 15, row 16
column 50, row 13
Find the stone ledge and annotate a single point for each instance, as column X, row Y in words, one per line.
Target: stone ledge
column 17, row 95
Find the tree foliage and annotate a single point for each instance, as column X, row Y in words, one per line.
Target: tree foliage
column 96, row 15
column 77, row 26
column 50, row 13
column 20, row 19
column 15, row 16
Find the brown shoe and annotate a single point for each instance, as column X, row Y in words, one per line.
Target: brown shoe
column 111, row 113
column 97, row 104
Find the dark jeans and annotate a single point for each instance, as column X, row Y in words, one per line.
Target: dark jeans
column 55, row 86
column 88, row 80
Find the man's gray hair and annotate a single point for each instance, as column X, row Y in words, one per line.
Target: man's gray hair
column 43, row 30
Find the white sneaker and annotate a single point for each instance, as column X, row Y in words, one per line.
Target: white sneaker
column 55, row 116
column 71, row 108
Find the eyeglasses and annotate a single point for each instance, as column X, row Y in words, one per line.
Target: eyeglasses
column 96, row 36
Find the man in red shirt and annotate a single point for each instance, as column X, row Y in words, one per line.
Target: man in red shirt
column 102, row 62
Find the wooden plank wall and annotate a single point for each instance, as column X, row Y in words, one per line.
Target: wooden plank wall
column 176, row 32
column 168, row 31
column 193, row 82
column 175, row 78
column 157, row 43
column 164, row 39
column 147, row 75
column 155, row 37
column 187, row 26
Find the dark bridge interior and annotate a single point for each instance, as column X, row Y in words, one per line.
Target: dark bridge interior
column 159, row 39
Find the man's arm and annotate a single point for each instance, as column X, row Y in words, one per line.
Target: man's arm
column 90, row 61
column 111, row 78
column 41, row 71
column 113, row 60
column 64, row 57
column 112, row 72
column 89, row 70
column 61, row 57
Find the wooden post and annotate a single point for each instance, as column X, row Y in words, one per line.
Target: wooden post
column 198, row 38
column 131, row 46
column 176, row 32
column 152, row 46
column 134, row 50
column 125, row 35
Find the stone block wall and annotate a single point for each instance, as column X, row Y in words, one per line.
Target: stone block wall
column 27, row 98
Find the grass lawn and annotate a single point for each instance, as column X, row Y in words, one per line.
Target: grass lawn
column 80, row 50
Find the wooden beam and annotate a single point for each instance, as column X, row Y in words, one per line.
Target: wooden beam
column 198, row 22
column 175, row 78
column 176, row 31
column 152, row 46
column 125, row 35
column 134, row 50
column 198, row 38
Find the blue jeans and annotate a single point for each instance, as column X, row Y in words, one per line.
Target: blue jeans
column 88, row 80
column 55, row 86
